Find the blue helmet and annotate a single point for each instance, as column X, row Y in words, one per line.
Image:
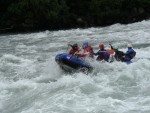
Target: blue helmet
column 85, row 43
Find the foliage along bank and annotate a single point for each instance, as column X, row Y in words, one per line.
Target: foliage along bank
column 33, row 15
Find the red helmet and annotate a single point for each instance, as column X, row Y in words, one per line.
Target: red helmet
column 101, row 46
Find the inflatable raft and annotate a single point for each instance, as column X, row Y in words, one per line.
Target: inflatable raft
column 71, row 63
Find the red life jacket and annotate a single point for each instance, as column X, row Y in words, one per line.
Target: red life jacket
column 89, row 50
column 73, row 50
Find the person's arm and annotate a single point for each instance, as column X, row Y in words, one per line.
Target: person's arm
column 95, row 53
column 111, row 46
column 70, row 45
column 77, row 51
column 81, row 55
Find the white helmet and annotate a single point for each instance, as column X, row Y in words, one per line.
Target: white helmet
column 130, row 45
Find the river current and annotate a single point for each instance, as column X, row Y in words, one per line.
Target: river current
column 32, row 82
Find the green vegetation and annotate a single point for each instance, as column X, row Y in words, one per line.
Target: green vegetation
column 29, row 15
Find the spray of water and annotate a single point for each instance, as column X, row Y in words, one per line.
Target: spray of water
column 32, row 82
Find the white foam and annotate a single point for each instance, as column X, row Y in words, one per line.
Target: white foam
column 31, row 81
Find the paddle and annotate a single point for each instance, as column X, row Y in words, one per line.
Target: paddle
column 68, row 47
column 111, row 51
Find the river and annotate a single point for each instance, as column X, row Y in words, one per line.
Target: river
column 32, row 82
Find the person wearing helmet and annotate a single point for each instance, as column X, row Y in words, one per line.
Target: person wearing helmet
column 118, row 54
column 74, row 49
column 85, row 45
column 86, row 50
column 101, row 46
column 102, row 54
column 130, row 54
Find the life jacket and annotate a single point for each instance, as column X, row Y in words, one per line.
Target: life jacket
column 90, row 50
column 73, row 50
column 103, row 55
column 119, row 55
column 85, row 52
column 130, row 54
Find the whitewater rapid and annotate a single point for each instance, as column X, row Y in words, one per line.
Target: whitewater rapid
column 32, row 82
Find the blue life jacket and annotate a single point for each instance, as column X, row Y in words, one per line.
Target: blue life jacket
column 130, row 54
column 102, row 55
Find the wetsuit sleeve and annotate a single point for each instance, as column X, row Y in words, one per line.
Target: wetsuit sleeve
column 96, row 53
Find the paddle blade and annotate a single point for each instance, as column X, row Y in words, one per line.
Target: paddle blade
column 110, row 51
